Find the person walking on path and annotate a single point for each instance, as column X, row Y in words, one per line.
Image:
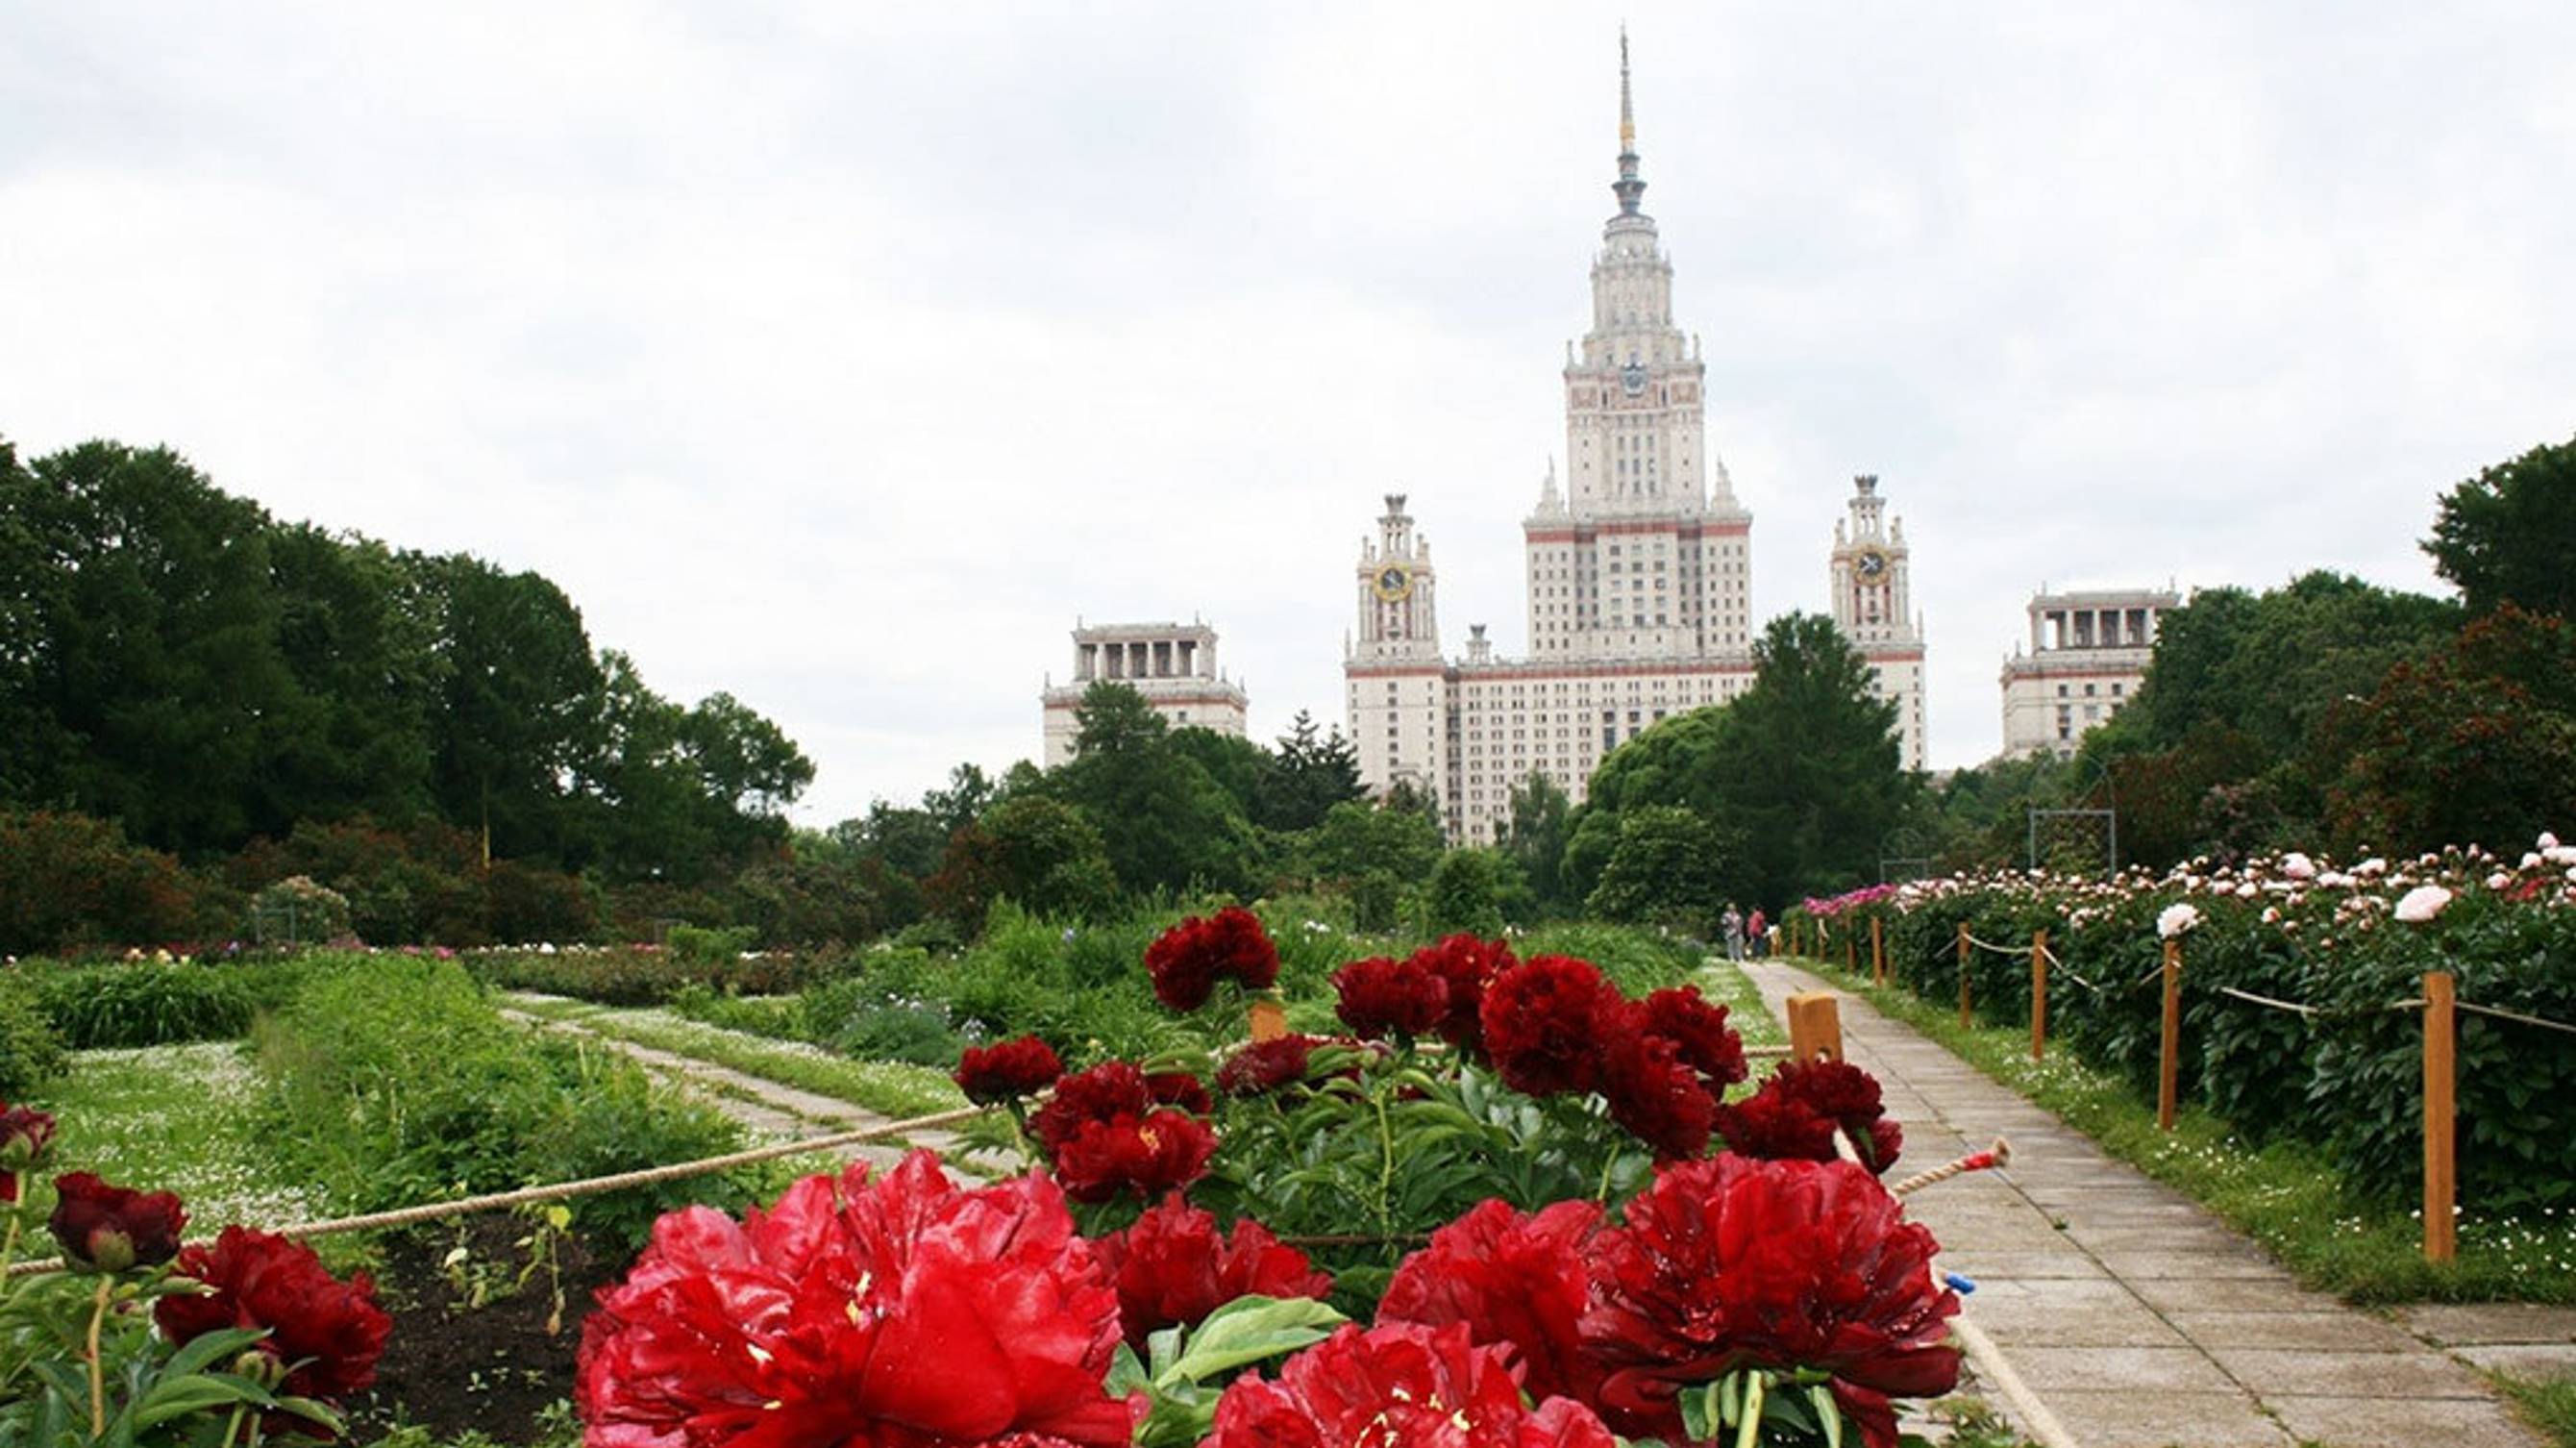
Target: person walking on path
column 1753, row 934
column 1731, row 925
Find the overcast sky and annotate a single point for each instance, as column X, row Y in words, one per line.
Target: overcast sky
column 840, row 355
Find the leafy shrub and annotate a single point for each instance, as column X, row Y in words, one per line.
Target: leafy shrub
column 857, row 1019
column 296, row 911
column 400, row 1083
column 693, row 945
column 30, row 1051
column 641, row 975
column 69, row 882
column 159, row 1003
column 1465, row 893
column 778, row 1017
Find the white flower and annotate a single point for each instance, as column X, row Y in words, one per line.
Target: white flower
column 2246, row 891
column 2271, row 914
column 2175, row 919
column 2547, row 841
column 2372, row 866
column 2422, row 903
column 2530, row 859
column 2298, row 866
column 2499, row 880
column 2560, row 854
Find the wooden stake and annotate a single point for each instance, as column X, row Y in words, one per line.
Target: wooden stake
column 2441, row 1230
column 1815, row 1026
column 1851, row 950
column 2169, row 1059
column 1877, row 953
column 2039, row 996
column 1268, row 1020
column 1965, row 1019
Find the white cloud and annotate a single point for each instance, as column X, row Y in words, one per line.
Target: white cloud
column 840, row 356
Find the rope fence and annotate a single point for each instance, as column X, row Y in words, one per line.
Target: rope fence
column 615, row 1181
column 2439, row 1005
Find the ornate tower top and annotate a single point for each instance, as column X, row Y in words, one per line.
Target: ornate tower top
column 1630, row 189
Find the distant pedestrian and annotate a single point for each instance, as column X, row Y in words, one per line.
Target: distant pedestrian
column 1731, row 925
column 1755, row 935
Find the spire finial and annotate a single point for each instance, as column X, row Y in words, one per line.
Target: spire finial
column 1630, row 190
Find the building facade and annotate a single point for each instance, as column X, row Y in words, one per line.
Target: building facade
column 1638, row 565
column 1173, row 665
column 1872, row 579
column 2088, row 653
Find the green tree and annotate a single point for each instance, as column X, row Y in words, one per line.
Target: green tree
column 1542, row 823
column 520, row 706
column 1312, row 774
column 1809, row 775
column 1032, row 849
column 1240, row 767
column 1466, row 893
column 968, row 795
column 2476, row 744
column 2508, row 535
column 1671, row 867
column 363, row 659
column 1166, row 824
column 1357, row 840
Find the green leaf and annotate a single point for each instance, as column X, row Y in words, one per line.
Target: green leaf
column 205, row 1351
column 1126, row 1374
column 1248, row 1330
column 1829, row 1413
column 1700, row 1418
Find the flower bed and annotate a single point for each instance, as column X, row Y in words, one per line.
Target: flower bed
column 2348, row 944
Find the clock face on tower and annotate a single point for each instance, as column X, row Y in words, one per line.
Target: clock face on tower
column 1871, row 563
column 1632, row 379
column 1394, row 581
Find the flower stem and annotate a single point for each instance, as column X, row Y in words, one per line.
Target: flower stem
column 9, row 1243
column 232, row 1429
column 1386, row 1162
column 97, row 1369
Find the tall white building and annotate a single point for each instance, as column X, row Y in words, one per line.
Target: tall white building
column 2088, row 654
column 1873, row 592
column 1172, row 664
column 1639, row 571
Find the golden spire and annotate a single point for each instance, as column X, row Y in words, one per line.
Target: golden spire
column 1627, row 112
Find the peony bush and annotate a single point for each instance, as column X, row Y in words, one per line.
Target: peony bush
column 2350, row 941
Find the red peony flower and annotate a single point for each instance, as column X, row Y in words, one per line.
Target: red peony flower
column 1179, row 1088
column 1382, row 998
column 906, row 1312
column 327, row 1331
column 1466, row 966
column 1517, row 1281
column 1732, row 1263
column 108, row 1229
column 1544, row 1024
column 1105, row 1092
column 1397, row 1386
column 1265, row 1066
column 1008, row 1070
column 1146, row 1156
column 1794, row 1116
column 1654, row 1093
column 1173, row 1268
column 1188, row 960
column 25, row 1132
column 1685, row 1017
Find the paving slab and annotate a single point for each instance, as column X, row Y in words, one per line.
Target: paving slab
column 2137, row 1418
column 2140, row 1320
column 2402, row 1423
column 2541, row 1360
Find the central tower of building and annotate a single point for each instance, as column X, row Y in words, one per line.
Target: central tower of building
column 1638, row 564
column 1634, row 558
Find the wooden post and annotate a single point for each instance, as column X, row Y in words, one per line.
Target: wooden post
column 2169, row 1058
column 1965, row 1019
column 1269, row 1020
column 1851, row 950
column 2039, row 996
column 1877, row 953
column 2441, row 1230
column 1815, row 1026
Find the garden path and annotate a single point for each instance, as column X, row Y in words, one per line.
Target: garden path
column 771, row 1110
column 2138, row 1318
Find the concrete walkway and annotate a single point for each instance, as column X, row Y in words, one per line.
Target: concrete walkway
column 2138, row 1318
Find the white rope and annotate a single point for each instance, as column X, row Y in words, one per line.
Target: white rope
column 1998, row 949
column 2043, row 1425
column 2247, row 995
column 2513, row 1016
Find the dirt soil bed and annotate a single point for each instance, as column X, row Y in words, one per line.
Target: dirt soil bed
column 454, row 1365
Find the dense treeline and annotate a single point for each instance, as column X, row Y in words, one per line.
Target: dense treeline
column 241, row 695
column 2332, row 713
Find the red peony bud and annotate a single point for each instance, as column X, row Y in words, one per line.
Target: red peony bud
column 109, row 1229
column 25, row 1132
column 1007, row 1071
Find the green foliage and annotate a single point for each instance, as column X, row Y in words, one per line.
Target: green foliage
column 1542, row 825
column 31, row 1051
column 707, row 948
column 2548, row 1403
column 1357, row 840
column 297, row 911
column 68, row 882
column 2507, row 535
column 624, row 975
column 150, row 1003
column 1165, row 823
column 399, row 1083
column 1670, row 867
column 1312, row 774
column 1465, row 893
